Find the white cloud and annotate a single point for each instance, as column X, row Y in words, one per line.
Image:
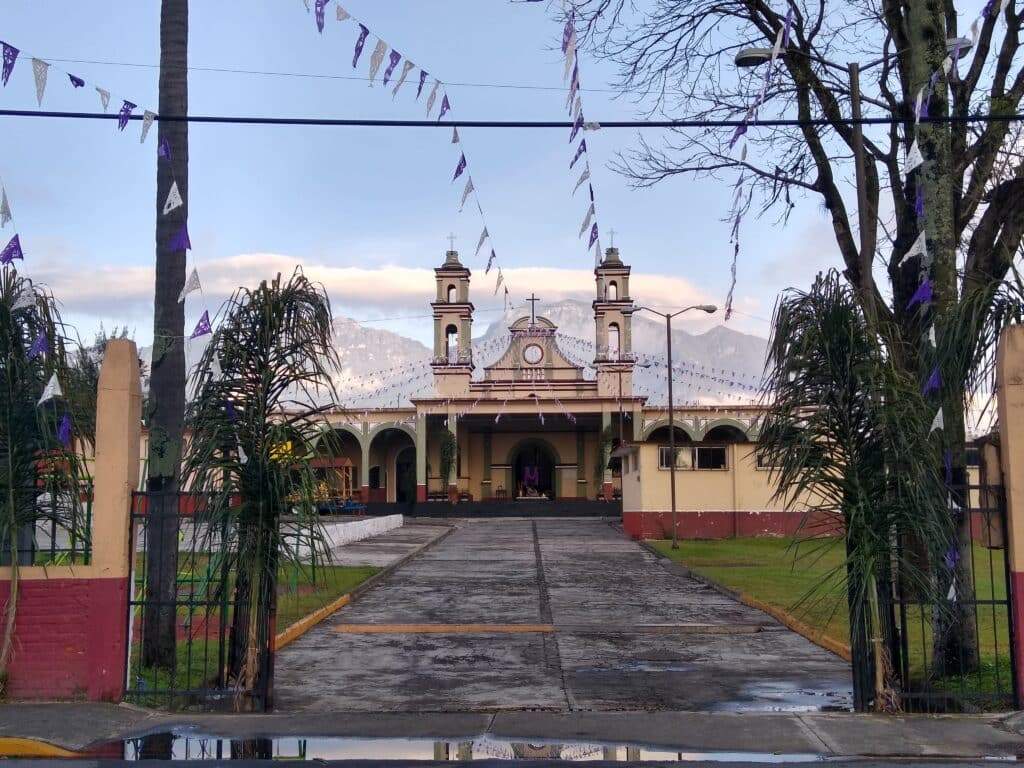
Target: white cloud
column 122, row 295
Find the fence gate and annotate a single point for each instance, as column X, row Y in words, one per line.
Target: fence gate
column 943, row 682
column 199, row 604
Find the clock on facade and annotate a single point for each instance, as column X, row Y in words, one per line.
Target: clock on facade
column 533, row 354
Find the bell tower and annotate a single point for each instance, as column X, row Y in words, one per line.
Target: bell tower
column 613, row 325
column 453, row 327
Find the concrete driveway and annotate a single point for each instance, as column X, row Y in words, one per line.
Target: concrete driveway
column 553, row 614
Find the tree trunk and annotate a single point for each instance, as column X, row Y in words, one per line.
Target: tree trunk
column 167, row 372
column 955, row 636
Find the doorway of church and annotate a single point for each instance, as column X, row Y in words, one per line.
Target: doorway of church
column 534, row 471
column 405, row 476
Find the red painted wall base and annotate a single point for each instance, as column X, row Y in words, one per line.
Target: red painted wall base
column 421, row 493
column 70, row 639
column 726, row 524
column 1017, row 606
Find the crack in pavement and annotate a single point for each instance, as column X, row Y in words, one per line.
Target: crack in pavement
column 552, row 656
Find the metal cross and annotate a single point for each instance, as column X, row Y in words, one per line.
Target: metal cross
column 533, row 308
column 611, row 236
column 451, row 241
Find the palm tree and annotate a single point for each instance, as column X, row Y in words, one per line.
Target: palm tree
column 166, row 404
column 37, row 455
column 846, row 434
column 263, row 382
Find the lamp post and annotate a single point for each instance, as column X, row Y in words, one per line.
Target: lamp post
column 710, row 309
column 754, row 57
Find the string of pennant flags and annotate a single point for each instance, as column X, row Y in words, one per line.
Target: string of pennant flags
column 424, row 82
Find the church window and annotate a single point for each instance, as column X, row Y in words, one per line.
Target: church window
column 453, row 295
column 694, row 457
column 451, row 334
column 613, row 291
column 613, row 341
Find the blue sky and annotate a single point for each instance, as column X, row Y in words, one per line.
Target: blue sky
column 366, row 210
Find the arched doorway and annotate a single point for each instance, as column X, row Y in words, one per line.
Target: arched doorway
column 405, row 476
column 533, row 470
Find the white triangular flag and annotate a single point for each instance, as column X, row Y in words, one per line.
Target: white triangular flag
column 192, row 284
column 104, row 97
column 951, row 595
column 243, row 457
column 466, row 193
column 52, row 390
column 147, row 123
column 343, row 14
column 586, row 222
column 913, row 159
column 483, row 236
column 583, row 177
column 216, row 372
column 777, row 48
column 432, row 96
column 570, row 56
column 173, row 199
column 938, row 422
column 947, row 64
column 407, row 67
column 5, row 208
column 25, row 300
column 455, row 135
column 591, row 126
column 919, row 248
column 931, row 337
column 377, row 58
column 498, row 283
column 40, row 69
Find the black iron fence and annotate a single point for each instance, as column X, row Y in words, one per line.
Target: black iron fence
column 958, row 655
column 55, row 526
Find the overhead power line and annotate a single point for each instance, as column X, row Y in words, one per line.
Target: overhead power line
column 502, row 124
column 321, row 76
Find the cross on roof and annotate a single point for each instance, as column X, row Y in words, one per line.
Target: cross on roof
column 611, row 237
column 451, row 241
column 533, row 308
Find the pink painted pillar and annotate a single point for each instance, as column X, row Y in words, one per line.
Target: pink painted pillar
column 1010, row 388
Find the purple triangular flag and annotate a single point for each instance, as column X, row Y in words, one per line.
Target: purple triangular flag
column 230, row 408
column 39, row 346
column 181, row 242
column 740, row 130
column 164, row 150
column 593, row 235
column 576, row 127
column 947, row 460
column 919, row 202
column 203, row 326
column 579, row 153
column 567, row 31
column 423, row 79
column 923, row 295
column 64, row 431
column 393, row 58
column 318, row 12
column 460, row 168
column 76, row 81
column 12, row 251
column 934, row 382
column 124, row 114
column 10, row 56
column 591, row 192
column 363, row 34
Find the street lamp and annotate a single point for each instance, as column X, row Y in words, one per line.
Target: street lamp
column 754, row 57
column 710, row 309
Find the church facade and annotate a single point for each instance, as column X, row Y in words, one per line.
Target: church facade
column 530, row 428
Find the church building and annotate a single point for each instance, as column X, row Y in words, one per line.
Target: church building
column 530, row 431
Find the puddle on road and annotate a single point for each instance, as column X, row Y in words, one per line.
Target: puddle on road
column 788, row 696
column 193, row 747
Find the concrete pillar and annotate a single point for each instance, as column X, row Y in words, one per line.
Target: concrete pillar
column 486, row 487
column 453, row 474
column 607, row 488
column 421, row 457
column 465, row 751
column 1010, row 390
column 364, row 468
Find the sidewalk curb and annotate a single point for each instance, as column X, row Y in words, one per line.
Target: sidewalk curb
column 783, row 617
column 294, row 631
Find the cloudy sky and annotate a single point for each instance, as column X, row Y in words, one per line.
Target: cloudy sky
column 367, row 211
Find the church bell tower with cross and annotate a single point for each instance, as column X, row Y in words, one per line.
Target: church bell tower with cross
column 453, row 326
column 613, row 326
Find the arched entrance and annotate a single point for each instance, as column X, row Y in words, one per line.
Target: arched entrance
column 405, row 476
column 533, row 470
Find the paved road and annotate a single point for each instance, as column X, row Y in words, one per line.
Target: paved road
column 562, row 615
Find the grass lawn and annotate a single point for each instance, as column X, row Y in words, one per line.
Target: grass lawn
column 803, row 581
column 198, row 661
